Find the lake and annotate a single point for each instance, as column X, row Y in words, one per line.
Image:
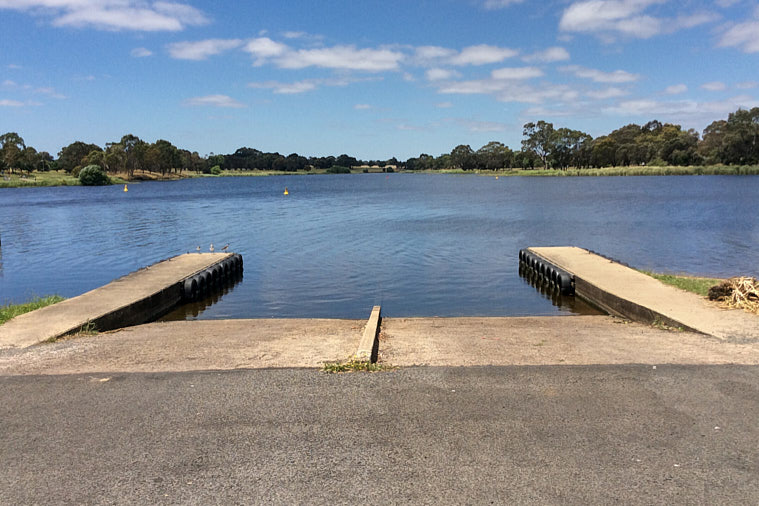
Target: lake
column 418, row 244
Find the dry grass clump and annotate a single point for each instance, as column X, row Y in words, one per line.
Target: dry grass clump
column 741, row 293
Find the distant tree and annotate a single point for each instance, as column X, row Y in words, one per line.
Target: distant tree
column 346, row 161
column 11, row 151
column 494, row 156
column 73, row 156
column 462, row 157
column 539, row 140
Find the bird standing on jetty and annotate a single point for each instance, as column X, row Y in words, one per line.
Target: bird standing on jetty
column 211, row 247
column 197, row 249
column 225, row 248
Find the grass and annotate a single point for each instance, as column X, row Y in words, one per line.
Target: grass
column 711, row 170
column 692, row 284
column 355, row 365
column 9, row 311
column 48, row 178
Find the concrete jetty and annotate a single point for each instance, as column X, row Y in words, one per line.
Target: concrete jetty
column 623, row 291
column 136, row 298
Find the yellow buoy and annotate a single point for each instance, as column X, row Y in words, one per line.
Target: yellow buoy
column 286, row 192
column 125, row 188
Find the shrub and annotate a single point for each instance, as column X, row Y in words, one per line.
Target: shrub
column 215, row 170
column 93, row 175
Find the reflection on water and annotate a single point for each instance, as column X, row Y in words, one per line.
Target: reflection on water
column 194, row 310
column 419, row 245
column 568, row 303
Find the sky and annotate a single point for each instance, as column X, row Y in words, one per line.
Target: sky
column 370, row 79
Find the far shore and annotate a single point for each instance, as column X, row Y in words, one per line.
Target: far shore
column 60, row 178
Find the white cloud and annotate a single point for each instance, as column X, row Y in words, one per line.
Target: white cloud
column 482, row 54
column 10, row 103
column 306, row 84
column 550, row 55
column 444, row 105
column 49, row 91
column 747, row 85
column 265, row 50
column 214, row 101
column 481, row 126
column 437, row 74
column 362, row 107
column 516, row 73
column 287, row 88
column 13, row 66
column 744, row 36
column 609, row 18
column 342, row 57
column 675, row 89
column 681, row 111
column 141, row 52
column 622, row 16
column 598, row 76
column 202, row 49
column 606, row 93
column 138, row 15
column 433, row 55
column 499, row 4
column 511, row 90
column 714, row 86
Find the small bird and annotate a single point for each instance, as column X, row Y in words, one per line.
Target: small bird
column 225, row 248
column 211, row 247
column 198, row 249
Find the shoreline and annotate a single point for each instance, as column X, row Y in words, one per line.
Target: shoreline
column 57, row 178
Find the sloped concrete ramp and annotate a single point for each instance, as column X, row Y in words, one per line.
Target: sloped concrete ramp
column 624, row 291
column 136, row 298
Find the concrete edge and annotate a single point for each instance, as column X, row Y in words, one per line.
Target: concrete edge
column 618, row 306
column 368, row 346
column 155, row 305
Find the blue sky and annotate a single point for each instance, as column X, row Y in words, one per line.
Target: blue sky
column 371, row 79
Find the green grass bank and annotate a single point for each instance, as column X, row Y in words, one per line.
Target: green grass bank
column 692, row 284
column 9, row 311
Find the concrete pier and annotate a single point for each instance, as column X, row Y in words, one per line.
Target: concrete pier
column 136, row 298
column 623, row 291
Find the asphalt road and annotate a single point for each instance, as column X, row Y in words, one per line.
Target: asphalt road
column 477, row 435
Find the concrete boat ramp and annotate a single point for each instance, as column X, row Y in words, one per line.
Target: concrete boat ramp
column 622, row 291
column 136, row 298
column 704, row 333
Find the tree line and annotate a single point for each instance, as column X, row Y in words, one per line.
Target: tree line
column 734, row 141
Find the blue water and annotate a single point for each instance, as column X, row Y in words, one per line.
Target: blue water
column 419, row 245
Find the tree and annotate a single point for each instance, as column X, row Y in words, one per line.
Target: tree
column 463, row 157
column 11, row 151
column 539, row 140
column 346, row 161
column 494, row 156
column 73, row 155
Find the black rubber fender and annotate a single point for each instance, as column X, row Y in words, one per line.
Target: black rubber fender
column 564, row 283
column 200, row 279
column 190, row 289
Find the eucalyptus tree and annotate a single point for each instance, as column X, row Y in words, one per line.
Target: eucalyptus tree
column 539, row 140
